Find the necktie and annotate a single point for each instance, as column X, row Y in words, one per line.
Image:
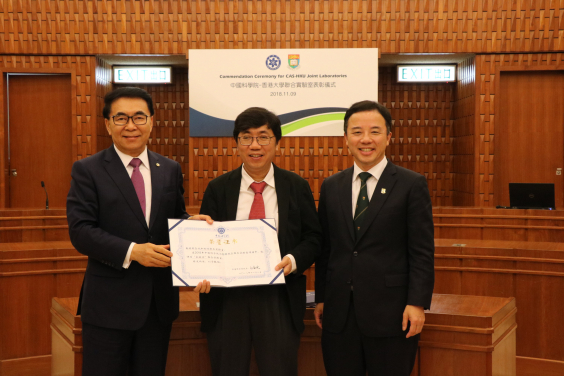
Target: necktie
column 138, row 182
column 361, row 202
column 257, row 208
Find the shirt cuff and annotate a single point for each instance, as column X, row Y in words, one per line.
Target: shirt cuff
column 127, row 260
column 294, row 267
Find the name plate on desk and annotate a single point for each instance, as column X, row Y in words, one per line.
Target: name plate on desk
column 228, row 254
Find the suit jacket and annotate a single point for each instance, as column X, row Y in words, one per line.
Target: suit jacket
column 299, row 234
column 390, row 264
column 104, row 217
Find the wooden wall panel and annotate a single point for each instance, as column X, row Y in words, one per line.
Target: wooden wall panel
column 486, row 76
column 422, row 130
column 463, row 134
column 58, row 32
column 103, row 86
column 85, row 85
column 77, row 27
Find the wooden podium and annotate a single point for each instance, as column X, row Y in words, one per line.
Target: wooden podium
column 463, row 336
column 468, row 336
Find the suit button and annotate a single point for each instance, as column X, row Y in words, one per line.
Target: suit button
column 355, row 253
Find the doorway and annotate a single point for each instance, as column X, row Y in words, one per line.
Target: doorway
column 38, row 139
column 529, row 132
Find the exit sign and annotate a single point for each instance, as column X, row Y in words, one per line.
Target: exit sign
column 426, row 73
column 142, row 75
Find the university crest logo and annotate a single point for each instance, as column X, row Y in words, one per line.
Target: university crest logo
column 294, row 60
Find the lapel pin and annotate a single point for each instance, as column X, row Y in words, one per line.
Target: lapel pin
column 383, row 191
column 158, row 165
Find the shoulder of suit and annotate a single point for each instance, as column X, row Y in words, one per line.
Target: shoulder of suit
column 162, row 160
column 285, row 174
column 93, row 159
column 404, row 173
column 291, row 177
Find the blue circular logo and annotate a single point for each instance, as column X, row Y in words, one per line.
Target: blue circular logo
column 221, row 230
column 273, row 62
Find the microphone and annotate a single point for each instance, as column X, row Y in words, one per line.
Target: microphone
column 46, row 195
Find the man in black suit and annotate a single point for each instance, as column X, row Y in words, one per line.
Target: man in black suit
column 376, row 275
column 117, row 209
column 266, row 318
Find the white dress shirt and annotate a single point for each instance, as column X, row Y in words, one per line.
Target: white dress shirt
column 247, row 196
column 376, row 172
column 146, row 173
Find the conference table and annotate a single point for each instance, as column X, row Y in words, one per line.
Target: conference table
column 463, row 336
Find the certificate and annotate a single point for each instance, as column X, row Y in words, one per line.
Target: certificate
column 228, row 254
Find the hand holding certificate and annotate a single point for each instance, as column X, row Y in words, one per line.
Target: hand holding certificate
column 228, row 254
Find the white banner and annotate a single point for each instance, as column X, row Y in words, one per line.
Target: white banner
column 309, row 89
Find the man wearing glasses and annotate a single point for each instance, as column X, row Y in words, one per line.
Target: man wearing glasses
column 268, row 319
column 117, row 209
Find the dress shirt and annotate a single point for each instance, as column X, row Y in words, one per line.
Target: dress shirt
column 146, row 173
column 375, row 171
column 247, row 196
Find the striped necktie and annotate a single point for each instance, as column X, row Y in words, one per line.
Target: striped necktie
column 361, row 202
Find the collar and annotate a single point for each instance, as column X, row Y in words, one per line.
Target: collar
column 375, row 171
column 246, row 179
column 125, row 159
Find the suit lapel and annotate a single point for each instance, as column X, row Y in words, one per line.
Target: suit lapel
column 379, row 196
column 345, row 191
column 119, row 175
column 283, row 198
column 232, row 194
column 157, row 182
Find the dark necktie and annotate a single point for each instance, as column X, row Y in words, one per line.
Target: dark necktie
column 138, row 182
column 361, row 202
column 257, row 208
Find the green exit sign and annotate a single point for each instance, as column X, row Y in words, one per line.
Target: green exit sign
column 142, row 75
column 426, row 73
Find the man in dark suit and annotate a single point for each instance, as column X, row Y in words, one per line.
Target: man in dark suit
column 117, row 209
column 266, row 318
column 376, row 275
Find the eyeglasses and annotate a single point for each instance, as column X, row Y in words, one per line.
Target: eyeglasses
column 248, row 140
column 138, row 119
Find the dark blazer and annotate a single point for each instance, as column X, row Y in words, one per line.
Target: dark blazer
column 389, row 265
column 104, row 217
column 299, row 234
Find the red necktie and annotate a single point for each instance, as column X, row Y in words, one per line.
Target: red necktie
column 257, row 208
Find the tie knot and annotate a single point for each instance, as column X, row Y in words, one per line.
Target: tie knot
column 258, row 187
column 135, row 162
column 364, row 176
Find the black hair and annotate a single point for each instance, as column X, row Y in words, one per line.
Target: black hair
column 256, row 117
column 126, row 92
column 363, row 106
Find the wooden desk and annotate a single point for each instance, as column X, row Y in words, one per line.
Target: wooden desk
column 463, row 336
